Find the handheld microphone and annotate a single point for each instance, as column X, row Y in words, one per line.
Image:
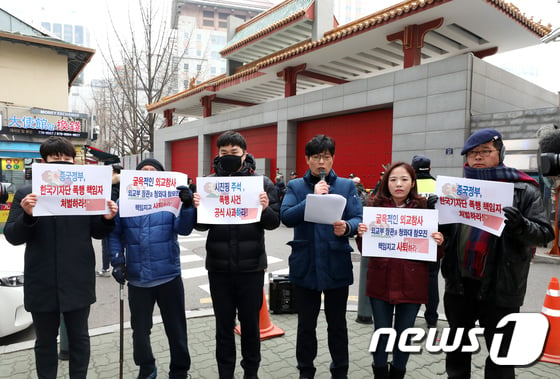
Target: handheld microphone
column 322, row 174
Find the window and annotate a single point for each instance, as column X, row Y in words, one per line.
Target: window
column 198, row 53
column 46, row 25
column 57, row 30
column 68, row 33
column 209, row 23
column 207, row 14
column 198, row 67
column 222, row 24
column 79, row 35
column 223, row 16
column 213, row 70
column 186, row 66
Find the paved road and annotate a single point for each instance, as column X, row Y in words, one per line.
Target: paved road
column 105, row 312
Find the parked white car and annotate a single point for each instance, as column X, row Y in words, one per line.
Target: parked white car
column 13, row 317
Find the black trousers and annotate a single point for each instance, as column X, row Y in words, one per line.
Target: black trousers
column 170, row 298
column 463, row 311
column 308, row 306
column 46, row 326
column 431, row 315
column 241, row 292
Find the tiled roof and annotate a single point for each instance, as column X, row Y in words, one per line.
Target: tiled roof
column 267, row 22
column 365, row 24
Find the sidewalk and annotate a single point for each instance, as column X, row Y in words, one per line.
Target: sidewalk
column 278, row 354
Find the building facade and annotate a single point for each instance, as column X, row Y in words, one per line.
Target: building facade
column 407, row 80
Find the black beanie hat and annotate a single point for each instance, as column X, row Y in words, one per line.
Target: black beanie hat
column 150, row 162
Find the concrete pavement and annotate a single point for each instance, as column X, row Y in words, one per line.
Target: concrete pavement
column 278, row 354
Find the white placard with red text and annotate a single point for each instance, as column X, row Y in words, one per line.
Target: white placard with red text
column 477, row 203
column 66, row 189
column 146, row 192
column 229, row 199
column 400, row 233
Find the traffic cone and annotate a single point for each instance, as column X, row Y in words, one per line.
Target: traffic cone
column 267, row 328
column 551, row 309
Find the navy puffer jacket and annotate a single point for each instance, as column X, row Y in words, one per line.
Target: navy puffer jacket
column 150, row 246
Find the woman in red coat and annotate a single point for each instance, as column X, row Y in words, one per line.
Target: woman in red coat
column 396, row 285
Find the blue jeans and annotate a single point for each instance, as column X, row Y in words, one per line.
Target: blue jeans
column 170, row 298
column 405, row 315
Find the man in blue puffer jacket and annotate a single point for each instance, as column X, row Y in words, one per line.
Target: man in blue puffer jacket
column 145, row 251
column 320, row 262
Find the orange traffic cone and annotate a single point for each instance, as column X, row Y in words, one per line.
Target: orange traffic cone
column 267, row 328
column 551, row 309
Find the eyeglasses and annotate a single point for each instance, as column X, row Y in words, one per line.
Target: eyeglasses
column 318, row 157
column 482, row 153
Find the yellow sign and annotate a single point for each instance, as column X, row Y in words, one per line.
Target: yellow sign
column 5, row 208
column 12, row 164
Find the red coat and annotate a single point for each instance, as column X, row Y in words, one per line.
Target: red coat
column 397, row 280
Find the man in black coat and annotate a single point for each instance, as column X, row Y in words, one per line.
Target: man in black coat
column 236, row 260
column 59, row 269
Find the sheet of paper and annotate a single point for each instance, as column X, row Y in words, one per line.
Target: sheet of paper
column 146, row 192
column 400, row 233
column 229, row 199
column 477, row 203
column 324, row 209
column 65, row 189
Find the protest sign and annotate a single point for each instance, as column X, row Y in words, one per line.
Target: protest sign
column 146, row 192
column 477, row 203
column 229, row 199
column 65, row 189
column 400, row 233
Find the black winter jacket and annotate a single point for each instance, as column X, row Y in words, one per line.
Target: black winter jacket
column 509, row 258
column 241, row 248
column 59, row 267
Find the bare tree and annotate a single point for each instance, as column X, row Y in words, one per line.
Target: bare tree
column 141, row 69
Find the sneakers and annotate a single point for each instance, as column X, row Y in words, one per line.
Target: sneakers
column 103, row 273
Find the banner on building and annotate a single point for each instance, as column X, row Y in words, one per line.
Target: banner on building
column 229, row 199
column 65, row 189
column 146, row 192
column 12, row 164
column 477, row 203
column 400, row 233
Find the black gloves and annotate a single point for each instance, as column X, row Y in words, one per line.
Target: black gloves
column 185, row 195
column 514, row 219
column 119, row 273
column 432, row 200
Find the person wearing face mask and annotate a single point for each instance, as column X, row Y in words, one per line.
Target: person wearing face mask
column 59, row 269
column 236, row 260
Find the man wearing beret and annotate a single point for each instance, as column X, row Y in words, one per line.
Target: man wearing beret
column 486, row 275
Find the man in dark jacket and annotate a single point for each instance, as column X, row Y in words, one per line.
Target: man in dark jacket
column 59, row 269
column 320, row 262
column 236, row 260
column 145, row 251
column 426, row 185
column 105, row 253
column 486, row 275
